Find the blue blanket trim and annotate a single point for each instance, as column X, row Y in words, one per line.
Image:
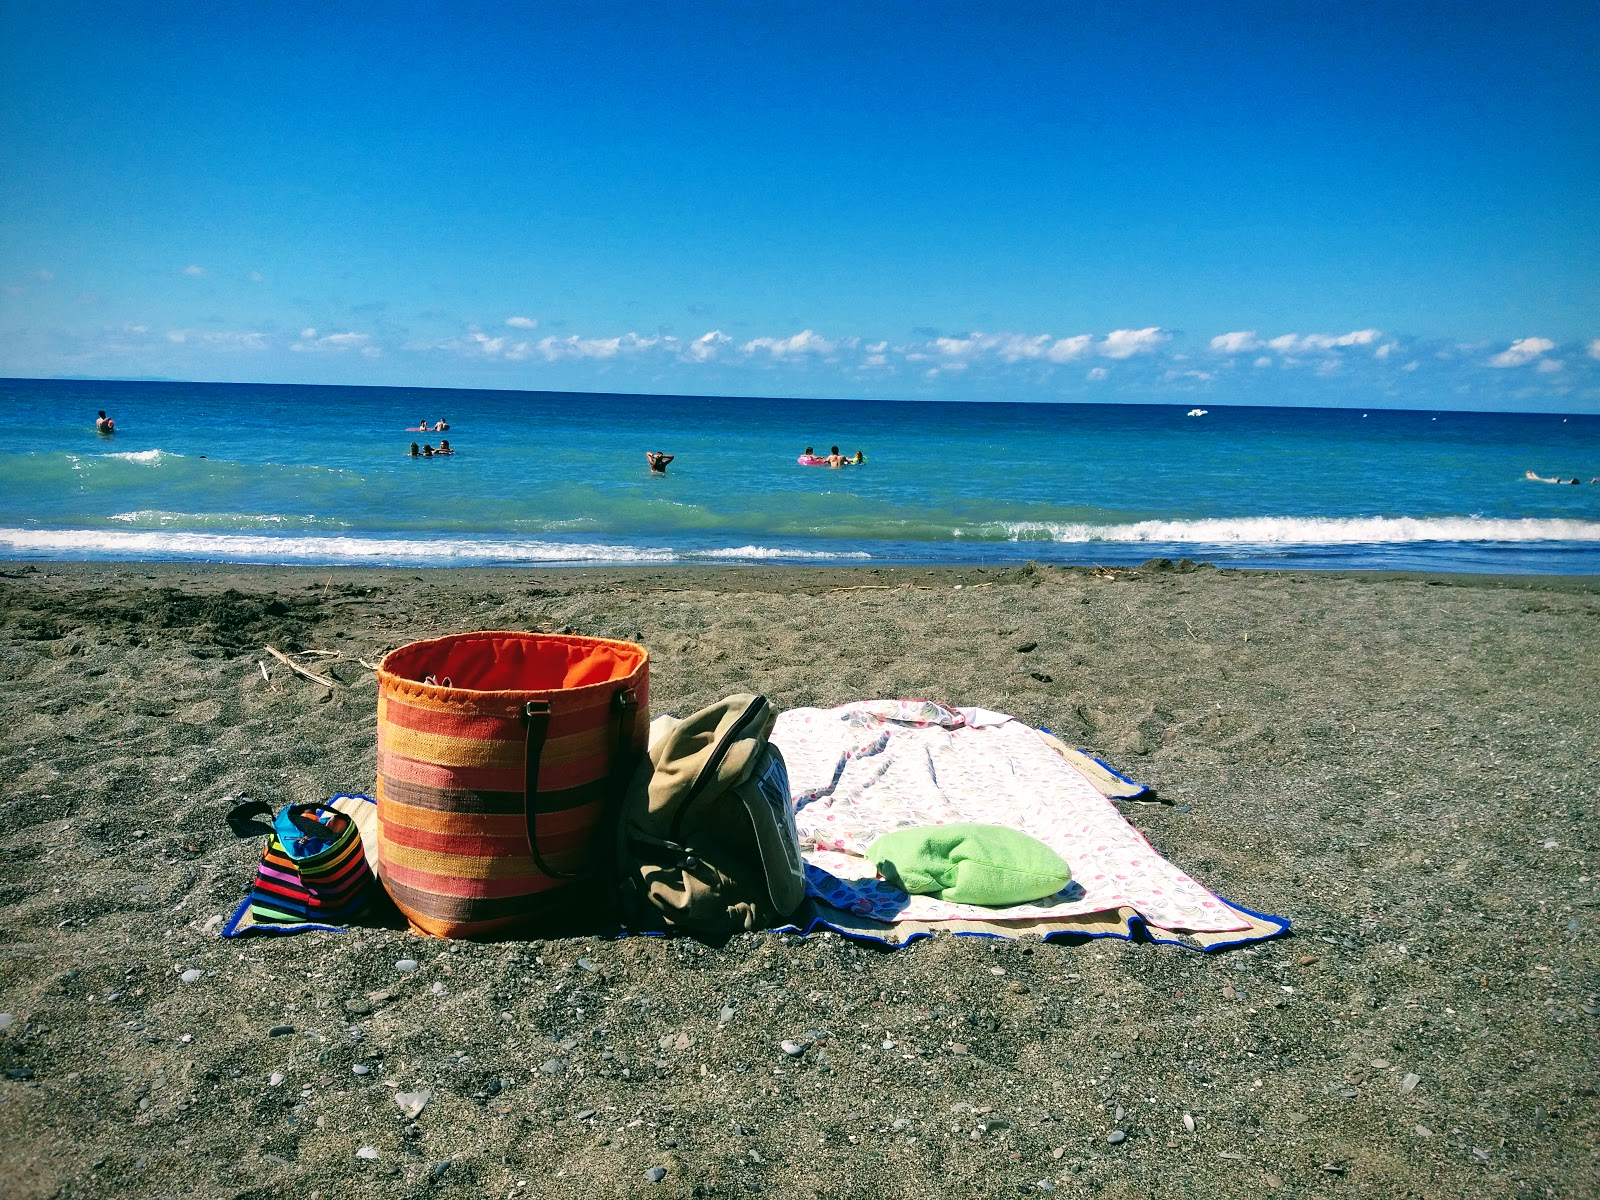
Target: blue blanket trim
column 1282, row 924
column 1133, row 783
column 231, row 928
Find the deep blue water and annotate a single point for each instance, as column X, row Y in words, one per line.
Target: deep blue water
column 257, row 473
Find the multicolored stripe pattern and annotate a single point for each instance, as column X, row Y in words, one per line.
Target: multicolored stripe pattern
column 331, row 884
column 453, row 830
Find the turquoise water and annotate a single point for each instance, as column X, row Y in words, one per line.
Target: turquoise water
column 246, row 473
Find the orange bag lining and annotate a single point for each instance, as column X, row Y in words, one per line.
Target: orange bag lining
column 506, row 662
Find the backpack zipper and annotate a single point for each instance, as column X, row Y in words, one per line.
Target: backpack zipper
column 709, row 771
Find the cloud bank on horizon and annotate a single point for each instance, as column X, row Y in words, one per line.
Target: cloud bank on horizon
column 1367, row 366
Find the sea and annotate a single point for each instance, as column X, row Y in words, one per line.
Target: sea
column 241, row 473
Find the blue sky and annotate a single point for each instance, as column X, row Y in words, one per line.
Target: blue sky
column 1259, row 203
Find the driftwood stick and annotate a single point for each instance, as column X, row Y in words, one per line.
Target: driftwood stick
column 260, row 663
column 299, row 670
column 318, row 653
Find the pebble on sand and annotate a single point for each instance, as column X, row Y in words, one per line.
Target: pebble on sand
column 192, row 975
column 275, row 1079
column 406, row 966
column 6, row 1021
column 1188, row 1122
column 1409, row 1083
column 1116, row 1137
column 412, row 1103
column 655, row 1174
column 367, row 1152
column 361, row 1069
column 793, row 1048
column 280, row 1031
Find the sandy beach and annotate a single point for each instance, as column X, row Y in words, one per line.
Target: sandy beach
column 1403, row 766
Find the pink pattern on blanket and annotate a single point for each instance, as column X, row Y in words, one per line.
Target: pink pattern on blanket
column 861, row 770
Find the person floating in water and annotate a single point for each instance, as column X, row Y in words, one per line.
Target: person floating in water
column 837, row 460
column 427, row 450
column 441, row 426
column 104, row 424
column 444, row 447
column 1550, row 478
column 415, row 453
column 658, row 461
column 858, row 459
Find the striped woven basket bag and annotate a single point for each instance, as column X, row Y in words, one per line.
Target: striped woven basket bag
column 500, row 756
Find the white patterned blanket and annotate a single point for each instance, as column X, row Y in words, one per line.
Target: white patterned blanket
column 863, row 769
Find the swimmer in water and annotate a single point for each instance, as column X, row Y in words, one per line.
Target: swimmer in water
column 415, row 453
column 427, row 450
column 836, row 460
column 104, row 424
column 1540, row 478
column 441, row 426
column 858, row 459
column 444, row 447
column 658, row 461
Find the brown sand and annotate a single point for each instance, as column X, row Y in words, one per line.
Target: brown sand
column 1404, row 766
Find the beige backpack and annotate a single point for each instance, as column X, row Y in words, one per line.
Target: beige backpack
column 706, row 837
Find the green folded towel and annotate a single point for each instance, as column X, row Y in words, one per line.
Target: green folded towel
column 970, row 864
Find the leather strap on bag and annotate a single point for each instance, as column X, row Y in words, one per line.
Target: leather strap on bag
column 536, row 718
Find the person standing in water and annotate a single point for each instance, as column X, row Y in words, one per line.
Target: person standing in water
column 658, row 461
column 104, row 424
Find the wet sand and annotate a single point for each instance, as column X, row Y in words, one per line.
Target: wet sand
column 1402, row 765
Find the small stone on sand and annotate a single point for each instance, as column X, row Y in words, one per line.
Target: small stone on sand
column 406, row 966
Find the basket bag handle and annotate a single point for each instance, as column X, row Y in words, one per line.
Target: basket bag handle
column 536, row 718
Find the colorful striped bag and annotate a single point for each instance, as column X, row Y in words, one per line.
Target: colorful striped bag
column 500, row 756
column 313, row 868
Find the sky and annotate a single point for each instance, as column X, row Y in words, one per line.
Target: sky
column 1390, row 204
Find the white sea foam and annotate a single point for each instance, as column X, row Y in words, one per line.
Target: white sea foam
column 231, row 521
column 747, row 552
column 1301, row 531
column 149, row 457
column 261, row 548
column 244, row 547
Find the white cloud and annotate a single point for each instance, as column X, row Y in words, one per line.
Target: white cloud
column 522, row 322
column 573, row 346
column 1240, row 342
column 1096, row 374
column 1411, row 366
column 1263, row 361
column 805, row 342
column 335, row 343
column 707, row 345
column 214, row 340
column 1594, row 348
column 1296, row 343
column 1385, row 350
column 1010, row 347
column 1068, row 348
column 194, row 271
column 1125, row 343
column 1549, row 366
column 1522, row 351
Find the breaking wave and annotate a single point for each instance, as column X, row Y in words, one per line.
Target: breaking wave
column 1296, row 531
column 262, row 548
